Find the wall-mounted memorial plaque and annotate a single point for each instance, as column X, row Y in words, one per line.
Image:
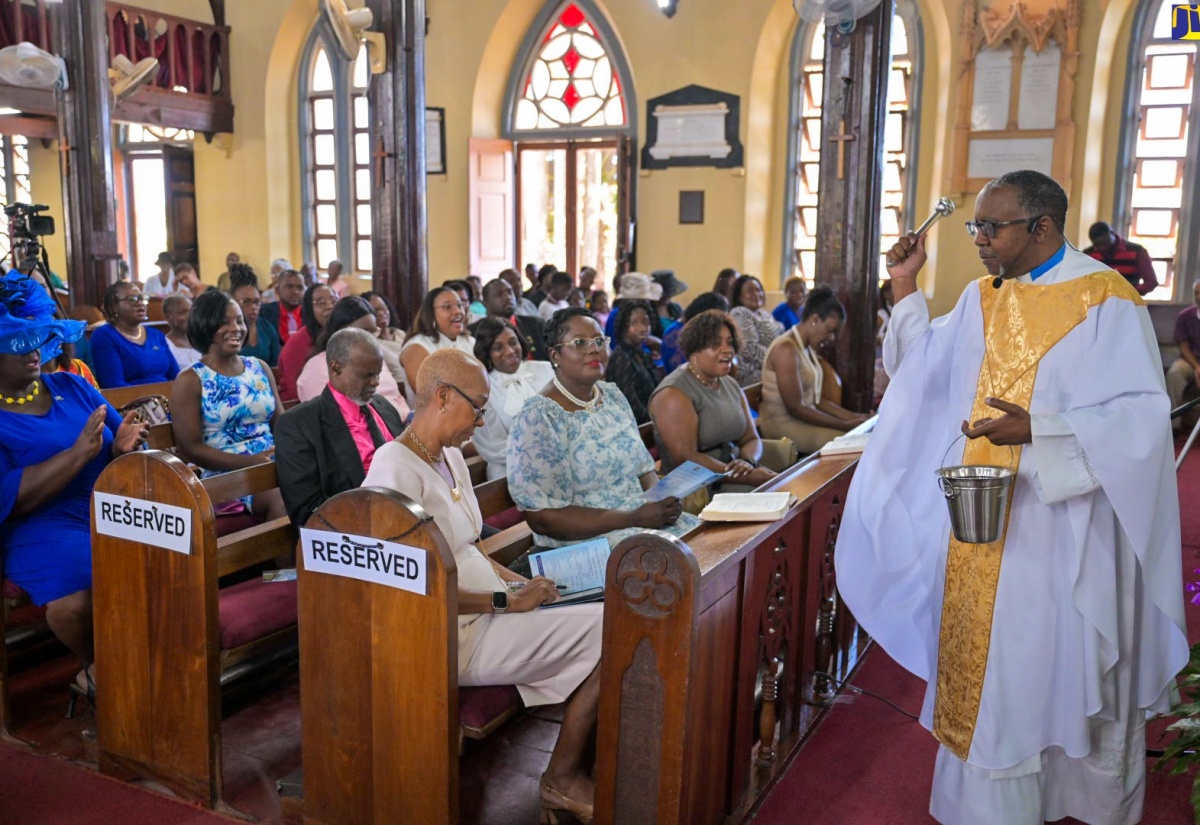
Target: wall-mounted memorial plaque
column 693, row 126
column 1014, row 99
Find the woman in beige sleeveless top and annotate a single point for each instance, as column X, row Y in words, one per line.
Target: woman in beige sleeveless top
column 791, row 380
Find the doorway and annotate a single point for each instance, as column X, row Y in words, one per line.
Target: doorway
column 573, row 201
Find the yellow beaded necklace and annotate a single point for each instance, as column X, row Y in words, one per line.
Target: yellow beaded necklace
column 24, row 399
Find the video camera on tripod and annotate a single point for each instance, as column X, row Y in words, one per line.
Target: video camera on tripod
column 25, row 230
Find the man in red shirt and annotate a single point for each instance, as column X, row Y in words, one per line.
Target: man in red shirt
column 1127, row 258
column 284, row 314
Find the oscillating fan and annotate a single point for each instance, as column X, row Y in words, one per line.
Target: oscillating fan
column 350, row 28
column 127, row 77
column 833, row 12
column 30, row 67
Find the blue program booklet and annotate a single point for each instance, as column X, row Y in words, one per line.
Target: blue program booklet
column 681, row 482
column 578, row 570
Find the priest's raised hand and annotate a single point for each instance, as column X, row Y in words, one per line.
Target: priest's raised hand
column 1010, row 429
column 904, row 260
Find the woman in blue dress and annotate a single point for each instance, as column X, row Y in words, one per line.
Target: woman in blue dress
column 126, row 351
column 223, row 407
column 59, row 433
column 576, row 463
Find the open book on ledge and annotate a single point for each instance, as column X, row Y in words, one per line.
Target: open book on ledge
column 854, row 441
column 748, row 507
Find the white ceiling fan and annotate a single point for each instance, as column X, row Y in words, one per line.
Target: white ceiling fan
column 28, row 66
column 350, row 27
column 127, row 77
column 833, row 12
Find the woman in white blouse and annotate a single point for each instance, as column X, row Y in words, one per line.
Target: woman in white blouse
column 503, row 639
column 504, row 353
column 756, row 325
column 441, row 324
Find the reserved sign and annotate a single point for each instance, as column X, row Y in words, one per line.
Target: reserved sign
column 366, row 559
column 147, row 522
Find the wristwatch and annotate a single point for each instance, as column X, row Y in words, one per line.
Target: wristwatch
column 500, row 601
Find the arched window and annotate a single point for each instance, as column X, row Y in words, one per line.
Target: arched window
column 335, row 154
column 571, row 80
column 571, row 110
column 1155, row 179
column 14, row 181
column 900, row 139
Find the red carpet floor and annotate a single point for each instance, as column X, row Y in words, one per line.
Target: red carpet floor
column 869, row 765
column 49, row 791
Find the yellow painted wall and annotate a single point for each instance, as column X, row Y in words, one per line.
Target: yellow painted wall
column 45, row 186
column 248, row 185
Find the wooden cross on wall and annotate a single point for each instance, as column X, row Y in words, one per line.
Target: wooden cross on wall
column 65, row 149
column 840, row 140
column 381, row 155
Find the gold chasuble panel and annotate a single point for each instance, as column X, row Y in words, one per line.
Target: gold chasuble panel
column 1021, row 323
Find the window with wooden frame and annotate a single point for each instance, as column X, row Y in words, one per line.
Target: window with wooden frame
column 14, row 183
column 900, row 140
column 1155, row 178
column 335, row 155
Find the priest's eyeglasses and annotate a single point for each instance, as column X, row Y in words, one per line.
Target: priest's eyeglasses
column 988, row 228
column 479, row 411
column 582, row 345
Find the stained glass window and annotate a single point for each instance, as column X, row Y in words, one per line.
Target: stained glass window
column 899, row 172
column 1152, row 184
column 14, row 182
column 570, row 79
column 336, row 156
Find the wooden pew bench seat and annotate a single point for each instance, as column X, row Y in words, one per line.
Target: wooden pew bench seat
column 255, row 610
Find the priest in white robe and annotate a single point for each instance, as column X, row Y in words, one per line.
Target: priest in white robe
column 1045, row 650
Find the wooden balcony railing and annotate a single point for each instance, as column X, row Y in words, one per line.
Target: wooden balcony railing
column 190, row 90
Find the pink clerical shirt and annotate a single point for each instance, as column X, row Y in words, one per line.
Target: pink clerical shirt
column 358, row 426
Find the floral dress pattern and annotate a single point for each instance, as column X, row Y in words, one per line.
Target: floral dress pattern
column 758, row 330
column 591, row 459
column 237, row 410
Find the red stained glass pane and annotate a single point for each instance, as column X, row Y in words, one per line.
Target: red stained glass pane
column 571, row 97
column 571, row 60
column 571, row 16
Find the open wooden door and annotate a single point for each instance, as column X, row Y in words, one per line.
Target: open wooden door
column 627, row 204
column 492, row 191
column 179, row 186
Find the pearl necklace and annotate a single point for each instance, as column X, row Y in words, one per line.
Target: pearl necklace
column 413, row 436
column 586, row 406
column 25, row 399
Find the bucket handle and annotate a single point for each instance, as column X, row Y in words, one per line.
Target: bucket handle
column 1012, row 455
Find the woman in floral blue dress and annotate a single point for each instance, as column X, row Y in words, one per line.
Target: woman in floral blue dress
column 223, row 407
column 576, row 463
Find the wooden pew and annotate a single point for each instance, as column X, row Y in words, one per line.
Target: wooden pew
column 754, row 395
column 379, row 669
column 714, row 647
column 121, row 396
column 831, row 383
column 160, row 656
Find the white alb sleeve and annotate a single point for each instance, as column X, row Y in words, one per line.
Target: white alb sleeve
column 910, row 321
column 1060, row 465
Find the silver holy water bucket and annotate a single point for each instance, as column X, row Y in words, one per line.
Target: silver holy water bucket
column 977, row 495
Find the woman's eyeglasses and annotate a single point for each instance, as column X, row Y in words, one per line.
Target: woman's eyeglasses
column 134, row 299
column 586, row 344
column 479, row 411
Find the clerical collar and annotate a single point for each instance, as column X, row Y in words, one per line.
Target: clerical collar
column 1051, row 262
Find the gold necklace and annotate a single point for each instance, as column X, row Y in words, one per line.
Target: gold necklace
column 696, row 374
column 432, row 460
column 25, row 399
column 137, row 336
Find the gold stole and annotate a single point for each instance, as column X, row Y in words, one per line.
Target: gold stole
column 1021, row 322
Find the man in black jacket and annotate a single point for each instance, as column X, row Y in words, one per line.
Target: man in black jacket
column 500, row 301
column 324, row 446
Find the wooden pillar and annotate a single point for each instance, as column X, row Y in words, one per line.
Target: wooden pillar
column 85, row 149
column 396, row 103
column 853, row 116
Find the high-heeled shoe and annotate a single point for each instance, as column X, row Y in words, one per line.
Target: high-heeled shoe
column 554, row 803
column 76, row 691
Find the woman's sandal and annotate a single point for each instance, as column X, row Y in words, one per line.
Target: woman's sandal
column 76, row 691
column 554, row 803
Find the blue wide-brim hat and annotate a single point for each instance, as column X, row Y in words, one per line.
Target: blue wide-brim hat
column 27, row 321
